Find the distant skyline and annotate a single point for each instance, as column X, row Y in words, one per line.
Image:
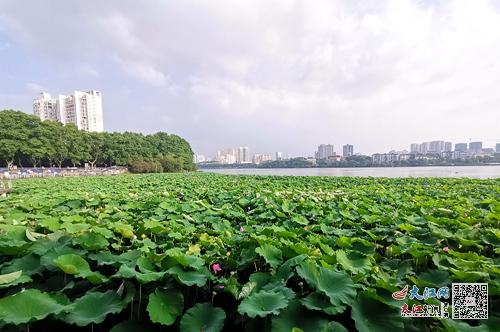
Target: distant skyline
column 274, row 76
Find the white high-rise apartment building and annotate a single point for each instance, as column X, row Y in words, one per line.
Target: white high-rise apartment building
column 325, row 151
column 243, row 156
column 83, row 109
column 45, row 107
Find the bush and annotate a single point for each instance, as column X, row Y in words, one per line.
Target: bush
column 142, row 166
column 172, row 164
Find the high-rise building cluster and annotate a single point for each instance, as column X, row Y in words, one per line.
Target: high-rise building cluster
column 431, row 147
column 239, row 155
column 261, row 158
column 327, row 152
column 83, row 109
column 347, row 150
column 436, row 149
column 280, row 155
column 442, row 146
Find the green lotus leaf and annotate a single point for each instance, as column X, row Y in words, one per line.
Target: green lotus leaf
column 72, row 264
column 301, row 220
column 50, row 223
column 130, row 326
column 353, row 262
column 145, row 265
column 308, row 270
column 189, row 278
column 27, row 306
column 263, row 303
column 370, row 315
column 91, row 241
column 434, row 278
column 203, row 317
column 469, row 276
column 461, row 326
column 177, row 256
column 128, row 272
column 23, row 279
column 93, row 307
column 334, row 327
column 165, row 306
column 29, row 264
column 270, row 253
column 337, row 285
column 75, row 228
column 318, row 301
column 14, row 241
column 285, row 272
column 10, row 277
column 76, row 265
column 298, row 317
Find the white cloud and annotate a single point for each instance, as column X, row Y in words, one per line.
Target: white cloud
column 377, row 73
column 34, row 87
column 143, row 71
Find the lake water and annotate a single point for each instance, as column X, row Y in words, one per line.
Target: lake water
column 480, row 172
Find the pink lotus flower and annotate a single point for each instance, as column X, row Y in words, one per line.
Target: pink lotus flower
column 446, row 249
column 216, row 268
column 242, row 229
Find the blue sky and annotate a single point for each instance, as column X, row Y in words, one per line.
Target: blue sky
column 271, row 75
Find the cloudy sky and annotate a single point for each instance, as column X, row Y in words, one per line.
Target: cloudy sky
column 271, row 75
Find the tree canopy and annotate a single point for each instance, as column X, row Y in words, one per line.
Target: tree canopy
column 27, row 141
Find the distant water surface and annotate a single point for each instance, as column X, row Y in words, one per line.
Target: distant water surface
column 480, row 172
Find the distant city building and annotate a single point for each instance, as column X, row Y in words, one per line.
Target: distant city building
column 461, row 147
column 457, row 154
column 382, row 158
column 424, row 148
column 498, row 148
column 488, row 151
column 347, row 150
column 199, row 158
column 226, row 156
column 83, row 109
column 261, row 158
column 431, row 147
column 280, row 155
column 325, row 151
column 475, row 147
column 45, row 107
column 243, row 156
column 438, row 146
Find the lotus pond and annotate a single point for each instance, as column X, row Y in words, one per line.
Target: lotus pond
column 207, row 252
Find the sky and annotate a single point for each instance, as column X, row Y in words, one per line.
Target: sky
column 271, row 75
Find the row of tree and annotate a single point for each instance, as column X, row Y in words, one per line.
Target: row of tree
column 25, row 140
